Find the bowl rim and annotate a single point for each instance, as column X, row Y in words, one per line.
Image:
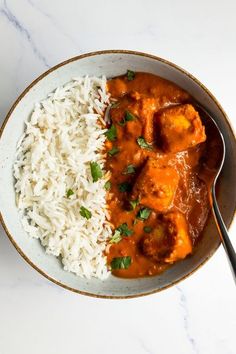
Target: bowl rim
column 43, row 75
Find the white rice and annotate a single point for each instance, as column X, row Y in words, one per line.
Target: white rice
column 61, row 138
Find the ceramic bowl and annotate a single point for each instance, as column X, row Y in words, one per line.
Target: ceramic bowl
column 110, row 63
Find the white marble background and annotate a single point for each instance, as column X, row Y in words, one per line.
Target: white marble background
column 198, row 315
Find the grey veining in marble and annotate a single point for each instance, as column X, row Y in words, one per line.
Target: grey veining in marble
column 185, row 313
column 23, row 31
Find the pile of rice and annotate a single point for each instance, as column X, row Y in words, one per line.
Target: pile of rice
column 62, row 136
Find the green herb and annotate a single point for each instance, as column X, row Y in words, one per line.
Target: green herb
column 143, row 144
column 116, row 237
column 143, row 214
column 115, row 104
column 69, row 193
column 129, row 169
column 111, row 133
column 125, row 187
column 147, row 229
column 130, row 75
column 85, row 213
column 135, row 221
column 121, row 263
column 124, row 230
column 96, row 171
column 113, row 151
column 107, row 185
column 133, row 203
column 127, row 118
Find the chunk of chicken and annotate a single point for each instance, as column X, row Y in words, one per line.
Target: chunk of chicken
column 155, row 187
column 180, row 128
column 169, row 241
column 177, row 226
column 148, row 107
column 158, row 244
column 117, row 87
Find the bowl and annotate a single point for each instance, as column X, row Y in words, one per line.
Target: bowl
column 110, row 63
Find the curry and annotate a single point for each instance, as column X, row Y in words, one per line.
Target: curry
column 155, row 144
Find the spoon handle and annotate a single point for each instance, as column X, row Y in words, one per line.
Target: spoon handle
column 224, row 234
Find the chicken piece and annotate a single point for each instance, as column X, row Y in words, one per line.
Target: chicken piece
column 125, row 118
column 117, row 87
column 156, row 185
column 135, row 95
column 177, row 227
column 144, row 107
column 132, row 129
column 158, row 244
column 169, row 241
column 180, row 128
column 147, row 109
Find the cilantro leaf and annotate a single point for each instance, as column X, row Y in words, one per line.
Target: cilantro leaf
column 147, row 229
column 143, row 214
column 111, row 133
column 113, row 151
column 129, row 169
column 124, row 230
column 96, row 171
column 107, row 185
column 115, row 104
column 85, row 213
column 121, row 263
column 130, row 75
column 125, row 187
column 133, row 203
column 69, row 193
column 127, row 118
column 116, row 237
column 143, row 144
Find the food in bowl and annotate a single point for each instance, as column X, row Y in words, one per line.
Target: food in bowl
column 58, row 170
column 107, row 175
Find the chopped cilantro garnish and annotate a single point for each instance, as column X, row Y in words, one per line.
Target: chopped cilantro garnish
column 129, row 170
column 133, row 203
column 111, row 133
column 85, row 213
column 96, row 171
column 147, row 229
column 124, row 230
column 143, row 214
column 121, row 263
column 116, row 237
column 130, row 75
column 107, row 185
column 113, row 151
column 69, row 193
column 143, row 144
column 125, row 187
column 127, row 118
column 115, row 104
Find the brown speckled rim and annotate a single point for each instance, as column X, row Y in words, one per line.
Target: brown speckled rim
column 11, row 238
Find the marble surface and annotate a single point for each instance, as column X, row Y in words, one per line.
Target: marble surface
column 198, row 315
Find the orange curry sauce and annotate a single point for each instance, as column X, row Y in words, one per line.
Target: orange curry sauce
column 160, row 140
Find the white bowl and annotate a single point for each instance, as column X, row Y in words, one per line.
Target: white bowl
column 109, row 63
